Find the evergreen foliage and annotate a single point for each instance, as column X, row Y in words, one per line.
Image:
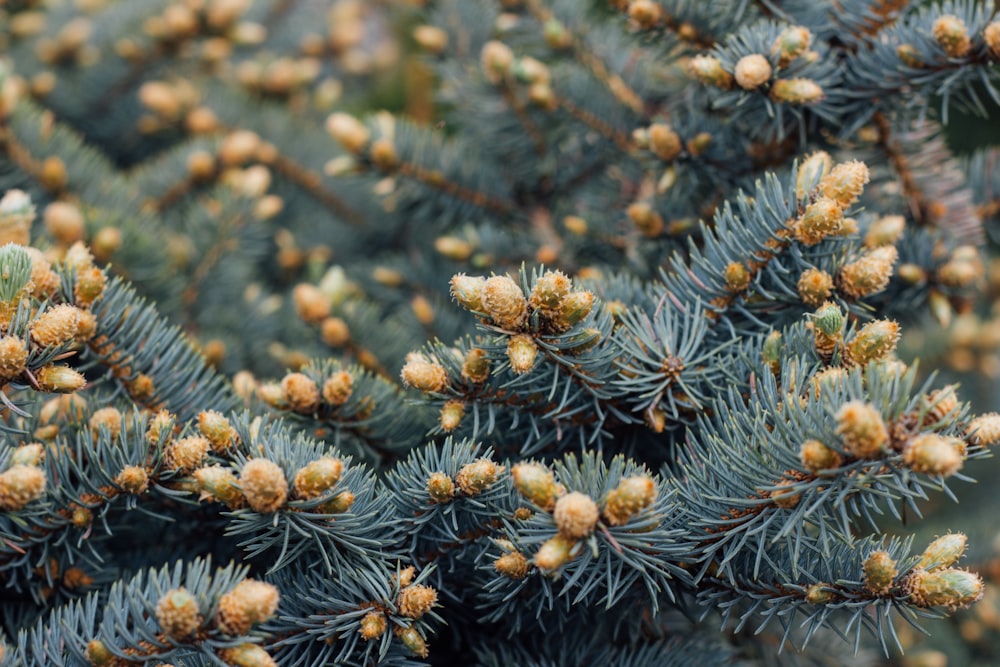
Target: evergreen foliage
column 601, row 339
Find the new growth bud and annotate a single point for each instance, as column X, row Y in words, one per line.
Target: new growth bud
column 942, row 552
column 862, row 429
column 951, row 588
column 476, row 477
column 575, row 515
column 933, row 454
column 248, row 603
column 424, row 375
column 536, row 483
column 503, row 300
column 950, row 32
column 631, row 496
column 19, row 485
column 752, row 71
column 264, row 486
column 178, row 614
column 708, row 69
column 317, row 477
column 880, row 572
column 875, row 341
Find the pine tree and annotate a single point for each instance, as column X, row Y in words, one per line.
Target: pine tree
column 602, row 337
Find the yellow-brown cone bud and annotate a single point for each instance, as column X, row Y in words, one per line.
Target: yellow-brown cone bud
column 19, row 485
column 875, row 341
column 909, row 55
column 247, row 655
column 98, row 653
column 44, row 281
column 512, row 565
column 887, row 230
column 942, row 552
column 933, row 454
column 133, row 479
column 880, row 571
column 334, row 332
column 536, row 483
column 549, row 291
column 109, row 418
column 318, row 477
column 64, row 222
column 646, row 219
column 311, row 304
column 416, row 600
column 30, row 454
column 867, row 275
column 941, row 404
column 811, row 172
column 862, row 429
column 216, row 429
column 503, row 300
column 186, row 454
column 218, row 484
column 476, row 366
column 13, row 356
column 817, row 594
column 16, row 216
column 984, row 430
column 89, row 286
column 451, row 415
column 160, row 428
column 845, row 183
column 339, row 504
column 428, row 377
column 405, row 576
column 554, row 553
column 440, row 487
column 664, row 141
column 770, row 353
column 106, row 243
column 349, row 131
column 338, row 388
column 178, row 614
column 752, row 71
column 991, row 35
column 796, row 91
column 56, row 326
column 476, row 477
column 576, row 515
column 791, row 43
column 373, row 625
column 300, row 392
column 459, row 250
column 264, row 485
column 784, row 496
column 631, row 496
column 59, row 379
column 737, row 277
column 522, row 351
column 815, row 286
column 412, row 640
column 574, row 308
column 952, row 588
column 950, row 32
column 248, row 603
column 822, row 218
column 497, row 60
column 708, row 69
column 816, row 456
